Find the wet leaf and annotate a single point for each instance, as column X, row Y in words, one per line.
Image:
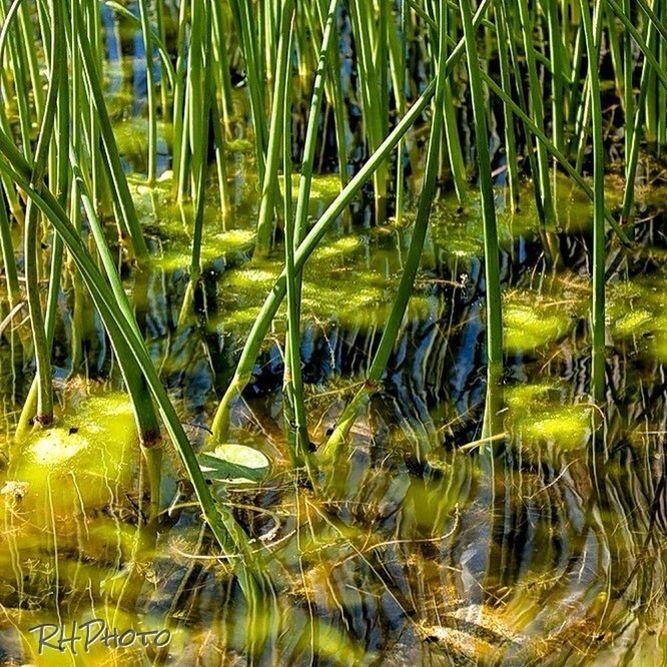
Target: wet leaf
column 236, row 463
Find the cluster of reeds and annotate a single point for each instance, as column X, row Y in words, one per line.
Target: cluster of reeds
column 418, row 66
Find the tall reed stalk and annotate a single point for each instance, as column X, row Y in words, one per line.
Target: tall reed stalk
column 545, row 201
column 508, row 118
column 598, row 260
column 370, row 40
column 122, row 200
column 146, row 35
column 44, row 414
column 270, row 188
column 494, row 325
column 632, row 157
column 295, row 412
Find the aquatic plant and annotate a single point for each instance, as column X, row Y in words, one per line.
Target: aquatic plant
column 259, row 90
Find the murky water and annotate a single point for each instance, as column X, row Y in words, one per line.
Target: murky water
column 518, row 526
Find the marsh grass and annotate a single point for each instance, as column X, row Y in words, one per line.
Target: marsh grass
column 420, row 73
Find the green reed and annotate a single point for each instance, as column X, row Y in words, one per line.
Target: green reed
column 454, row 149
column 370, row 33
column 494, row 324
column 508, row 117
column 44, row 414
column 598, row 264
column 146, row 35
column 270, row 189
column 296, row 419
column 122, row 200
column 542, row 181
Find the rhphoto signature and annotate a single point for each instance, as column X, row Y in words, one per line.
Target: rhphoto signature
column 82, row 636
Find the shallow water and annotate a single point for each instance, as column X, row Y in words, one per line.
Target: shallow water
column 462, row 526
column 538, row 539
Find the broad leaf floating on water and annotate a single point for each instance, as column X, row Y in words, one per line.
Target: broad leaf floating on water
column 234, row 463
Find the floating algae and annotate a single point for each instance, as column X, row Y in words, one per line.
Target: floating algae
column 172, row 221
column 324, row 188
column 82, row 464
column 532, row 320
column 536, row 318
column 131, row 136
column 568, row 427
column 341, row 248
column 527, row 329
column 171, row 225
column 459, row 235
column 218, row 245
column 633, row 323
column 540, row 414
column 637, row 313
column 340, row 285
column 243, row 291
column 260, row 276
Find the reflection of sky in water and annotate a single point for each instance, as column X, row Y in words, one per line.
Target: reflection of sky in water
column 116, row 81
column 113, row 47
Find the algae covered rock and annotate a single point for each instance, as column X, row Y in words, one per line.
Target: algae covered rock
column 80, row 465
column 62, row 497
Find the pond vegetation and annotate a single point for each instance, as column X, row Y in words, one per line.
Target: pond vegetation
column 334, row 332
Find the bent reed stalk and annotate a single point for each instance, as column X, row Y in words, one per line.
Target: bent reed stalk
column 262, row 323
